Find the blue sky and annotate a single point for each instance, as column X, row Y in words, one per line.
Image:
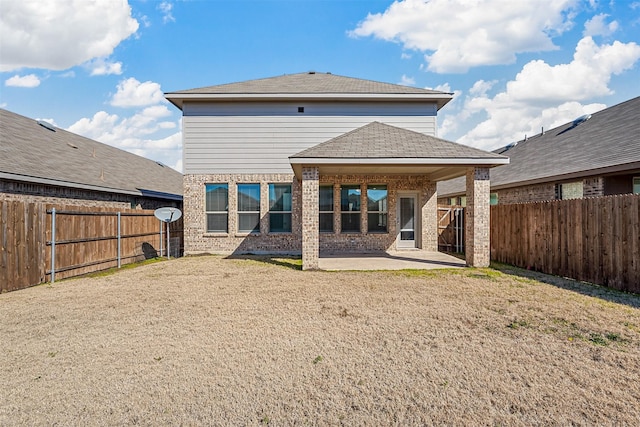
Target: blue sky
column 99, row 67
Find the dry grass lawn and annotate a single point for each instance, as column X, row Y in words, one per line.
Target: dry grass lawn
column 213, row 341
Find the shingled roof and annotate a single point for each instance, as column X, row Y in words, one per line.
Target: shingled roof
column 382, row 144
column 608, row 141
column 309, row 84
column 45, row 154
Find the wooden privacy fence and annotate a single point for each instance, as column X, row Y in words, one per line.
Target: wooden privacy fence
column 594, row 239
column 81, row 239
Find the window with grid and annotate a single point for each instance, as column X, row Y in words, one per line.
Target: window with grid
column 217, row 207
column 377, row 208
column 350, row 208
column 280, row 208
column 569, row 190
column 249, row 208
column 326, row 208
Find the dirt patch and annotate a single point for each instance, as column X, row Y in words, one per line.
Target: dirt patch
column 212, row 341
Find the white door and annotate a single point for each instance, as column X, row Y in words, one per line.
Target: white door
column 407, row 222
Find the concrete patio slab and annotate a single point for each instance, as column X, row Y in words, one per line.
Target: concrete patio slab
column 390, row 260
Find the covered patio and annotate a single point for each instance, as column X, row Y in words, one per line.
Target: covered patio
column 409, row 164
column 389, row 260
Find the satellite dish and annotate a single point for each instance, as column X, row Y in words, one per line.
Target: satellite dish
column 168, row 214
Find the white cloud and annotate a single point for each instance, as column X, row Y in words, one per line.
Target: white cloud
column 542, row 95
column 481, row 87
column 58, row 34
column 132, row 93
column 101, row 67
column 407, row 81
column 587, row 76
column 405, row 55
column 165, row 7
column 30, row 80
column 68, row 74
column 481, row 32
column 597, row 26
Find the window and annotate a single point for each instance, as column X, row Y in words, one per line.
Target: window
column 326, row 208
column 636, row 185
column 377, row 208
column 350, row 208
column 249, row 208
column 569, row 190
column 462, row 201
column 280, row 208
column 217, row 207
column 493, row 199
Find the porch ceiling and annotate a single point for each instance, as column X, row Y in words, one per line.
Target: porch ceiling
column 434, row 172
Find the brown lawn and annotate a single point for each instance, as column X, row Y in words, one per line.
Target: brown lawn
column 213, row 341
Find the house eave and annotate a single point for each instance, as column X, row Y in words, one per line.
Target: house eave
column 59, row 183
column 178, row 99
column 626, row 167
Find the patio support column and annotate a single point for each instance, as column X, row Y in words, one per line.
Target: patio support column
column 477, row 249
column 310, row 218
column 429, row 217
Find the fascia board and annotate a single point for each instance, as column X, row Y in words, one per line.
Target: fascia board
column 399, row 161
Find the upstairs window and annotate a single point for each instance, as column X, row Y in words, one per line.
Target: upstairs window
column 217, row 207
column 249, row 208
column 350, row 208
column 493, row 199
column 377, row 208
column 326, row 208
column 280, row 208
column 636, row 185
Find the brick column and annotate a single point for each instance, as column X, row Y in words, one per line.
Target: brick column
column 429, row 213
column 310, row 212
column 477, row 247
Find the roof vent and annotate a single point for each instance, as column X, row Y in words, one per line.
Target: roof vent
column 47, row 125
column 159, row 163
column 505, row 148
column 581, row 120
column 312, row 72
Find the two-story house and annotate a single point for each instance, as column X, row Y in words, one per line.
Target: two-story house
column 315, row 162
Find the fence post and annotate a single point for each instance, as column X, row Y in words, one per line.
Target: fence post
column 119, row 262
column 53, row 245
column 168, row 243
column 161, row 239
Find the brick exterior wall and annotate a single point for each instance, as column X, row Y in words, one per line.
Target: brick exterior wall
column 198, row 241
column 41, row 193
column 477, row 247
column 592, row 187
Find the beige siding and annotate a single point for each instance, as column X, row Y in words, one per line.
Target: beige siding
column 259, row 137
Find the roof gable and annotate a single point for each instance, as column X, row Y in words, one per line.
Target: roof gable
column 379, row 140
column 34, row 153
column 310, row 84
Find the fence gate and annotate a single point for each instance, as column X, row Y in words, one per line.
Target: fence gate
column 451, row 229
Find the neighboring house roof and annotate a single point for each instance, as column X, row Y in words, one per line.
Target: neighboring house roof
column 378, row 144
column 45, row 154
column 310, row 85
column 608, row 142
